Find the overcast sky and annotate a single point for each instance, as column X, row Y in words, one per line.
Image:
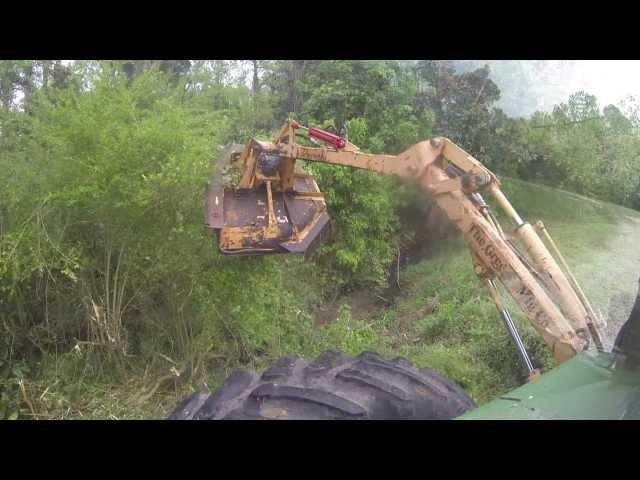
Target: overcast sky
column 609, row 80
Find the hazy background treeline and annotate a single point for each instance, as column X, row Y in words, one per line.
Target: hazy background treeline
column 106, row 272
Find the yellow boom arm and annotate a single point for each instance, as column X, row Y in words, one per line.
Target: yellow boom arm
column 555, row 306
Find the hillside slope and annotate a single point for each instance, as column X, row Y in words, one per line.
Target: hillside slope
column 442, row 317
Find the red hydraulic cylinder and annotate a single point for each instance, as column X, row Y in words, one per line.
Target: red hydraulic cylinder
column 335, row 140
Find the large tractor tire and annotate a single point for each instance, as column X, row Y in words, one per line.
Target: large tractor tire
column 333, row 387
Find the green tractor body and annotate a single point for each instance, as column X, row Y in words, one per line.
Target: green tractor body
column 590, row 386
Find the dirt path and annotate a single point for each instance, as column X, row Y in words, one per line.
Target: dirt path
column 610, row 275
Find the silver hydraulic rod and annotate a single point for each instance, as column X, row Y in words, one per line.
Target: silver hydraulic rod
column 517, row 340
column 513, row 331
column 504, row 313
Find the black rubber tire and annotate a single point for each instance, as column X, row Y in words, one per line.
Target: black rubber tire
column 333, row 387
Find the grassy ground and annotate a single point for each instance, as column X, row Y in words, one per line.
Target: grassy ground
column 443, row 318
column 440, row 318
column 598, row 241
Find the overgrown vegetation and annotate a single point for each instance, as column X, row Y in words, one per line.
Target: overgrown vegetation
column 113, row 299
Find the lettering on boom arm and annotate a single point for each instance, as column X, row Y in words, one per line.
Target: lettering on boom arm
column 486, row 247
column 503, row 270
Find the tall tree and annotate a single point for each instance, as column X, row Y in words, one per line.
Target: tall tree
column 14, row 76
column 177, row 69
column 462, row 102
column 285, row 79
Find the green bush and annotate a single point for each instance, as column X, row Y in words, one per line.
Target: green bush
column 107, row 234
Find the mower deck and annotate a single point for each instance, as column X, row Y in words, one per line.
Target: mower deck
column 241, row 218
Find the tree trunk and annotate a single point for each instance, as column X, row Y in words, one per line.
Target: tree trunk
column 297, row 74
column 255, row 86
column 46, row 66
